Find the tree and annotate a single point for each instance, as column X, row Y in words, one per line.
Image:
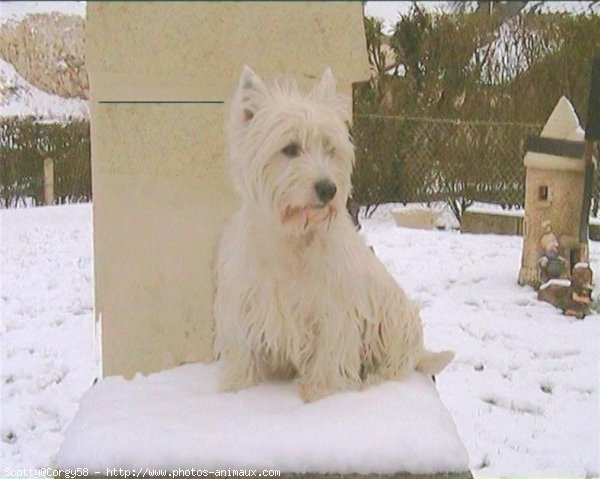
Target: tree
column 378, row 58
column 408, row 42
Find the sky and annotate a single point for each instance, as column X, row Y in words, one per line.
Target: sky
column 389, row 11
column 17, row 9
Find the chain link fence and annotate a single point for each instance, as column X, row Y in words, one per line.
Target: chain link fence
column 399, row 159
column 405, row 160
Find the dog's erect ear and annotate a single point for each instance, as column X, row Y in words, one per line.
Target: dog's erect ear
column 326, row 87
column 250, row 93
column 325, row 92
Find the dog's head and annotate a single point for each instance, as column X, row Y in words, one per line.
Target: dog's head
column 290, row 152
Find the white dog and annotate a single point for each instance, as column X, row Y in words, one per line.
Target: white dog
column 298, row 292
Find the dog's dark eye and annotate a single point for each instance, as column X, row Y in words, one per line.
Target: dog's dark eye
column 292, row 150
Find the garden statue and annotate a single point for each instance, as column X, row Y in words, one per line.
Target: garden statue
column 555, row 223
column 573, row 297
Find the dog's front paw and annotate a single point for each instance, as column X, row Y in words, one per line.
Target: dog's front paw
column 372, row 379
column 232, row 386
column 235, row 380
column 310, row 392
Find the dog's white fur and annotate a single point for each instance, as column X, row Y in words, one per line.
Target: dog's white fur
column 298, row 293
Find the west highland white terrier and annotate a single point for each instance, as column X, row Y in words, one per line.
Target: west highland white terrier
column 298, row 292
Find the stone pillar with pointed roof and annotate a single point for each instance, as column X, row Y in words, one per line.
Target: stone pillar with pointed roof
column 554, row 195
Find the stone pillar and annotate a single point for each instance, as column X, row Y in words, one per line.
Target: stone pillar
column 159, row 74
column 553, row 192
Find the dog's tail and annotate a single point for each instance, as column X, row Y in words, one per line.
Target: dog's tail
column 434, row 363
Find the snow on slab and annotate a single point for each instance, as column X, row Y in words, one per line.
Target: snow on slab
column 444, row 220
column 486, row 208
column 176, row 419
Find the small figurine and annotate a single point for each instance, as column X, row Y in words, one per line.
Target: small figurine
column 573, row 297
column 581, row 286
column 548, row 242
column 551, row 265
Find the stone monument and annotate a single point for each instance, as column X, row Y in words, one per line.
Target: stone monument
column 554, row 194
column 160, row 73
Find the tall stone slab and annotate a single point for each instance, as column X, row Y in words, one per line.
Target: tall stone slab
column 159, row 74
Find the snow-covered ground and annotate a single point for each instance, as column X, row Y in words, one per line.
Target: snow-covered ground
column 523, row 389
column 46, row 311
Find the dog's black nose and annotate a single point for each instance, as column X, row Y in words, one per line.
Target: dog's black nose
column 325, row 190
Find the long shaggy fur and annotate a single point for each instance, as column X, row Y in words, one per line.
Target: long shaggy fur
column 298, row 293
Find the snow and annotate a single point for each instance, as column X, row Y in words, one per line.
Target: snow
column 19, row 98
column 446, row 219
column 523, row 388
column 394, row 427
column 556, row 282
column 46, row 306
column 522, row 391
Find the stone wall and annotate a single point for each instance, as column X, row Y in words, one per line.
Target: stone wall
column 490, row 223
